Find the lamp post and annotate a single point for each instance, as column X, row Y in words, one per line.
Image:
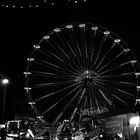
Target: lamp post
column 4, row 82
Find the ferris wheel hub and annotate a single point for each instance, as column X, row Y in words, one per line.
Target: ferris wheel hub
column 87, row 77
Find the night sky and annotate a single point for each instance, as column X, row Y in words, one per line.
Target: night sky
column 20, row 29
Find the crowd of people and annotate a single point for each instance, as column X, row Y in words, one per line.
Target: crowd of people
column 32, row 129
column 83, row 129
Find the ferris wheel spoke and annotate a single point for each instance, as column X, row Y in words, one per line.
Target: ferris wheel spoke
column 105, row 55
column 98, row 88
column 115, row 90
column 53, row 84
column 116, row 67
column 114, row 95
column 82, row 44
column 68, row 59
column 52, row 43
column 52, row 55
column 105, row 97
column 55, row 67
column 110, row 62
column 56, row 92
column 61, row 113
column 120, row 99
column 60, row 100
column 91, row 98
column 35, row 110
column 52, row 75
column 76, row 107
column 85, row 103
column 74, row 42
column 72, row 56
column 92, row 44
column 116, row 82
column 99, row 49
column 46, row 64
column 91, row 50
column 94, row 96
column 119, row 83
column 94, row 102
column 66, row 44
column 73, row 114
column 83, row 41
column 116, row 75
column 127, row 83
column 78, row 50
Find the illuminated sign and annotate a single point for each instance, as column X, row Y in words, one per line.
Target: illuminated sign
column 113, row 126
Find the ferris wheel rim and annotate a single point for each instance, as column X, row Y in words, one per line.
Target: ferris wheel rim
column 86, row 72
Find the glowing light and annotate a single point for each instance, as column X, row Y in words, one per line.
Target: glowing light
column 69, row 26
column 134, row 121
column 27, row 88
column 46, row 37
column 5, row 81
column 133, row 61
column 101, row 135
column 117, row 40
column 26, row 73
column 126, row 50
column 106, row 33
column 94, row 28
column 120, row 135
column 137, row 73
column 138, row 88
column 36, row 46
column 137, row 102
column 30, row 59
column 57, row 30
column 37, row 4
column 39, row 117
column 82, row 25
column 31, row 103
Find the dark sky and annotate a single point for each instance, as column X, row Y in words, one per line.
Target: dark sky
column 20, row 29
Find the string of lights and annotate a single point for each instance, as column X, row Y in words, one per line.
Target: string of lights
column 39, row 3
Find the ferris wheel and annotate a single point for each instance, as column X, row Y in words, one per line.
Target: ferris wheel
column 80, row 67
